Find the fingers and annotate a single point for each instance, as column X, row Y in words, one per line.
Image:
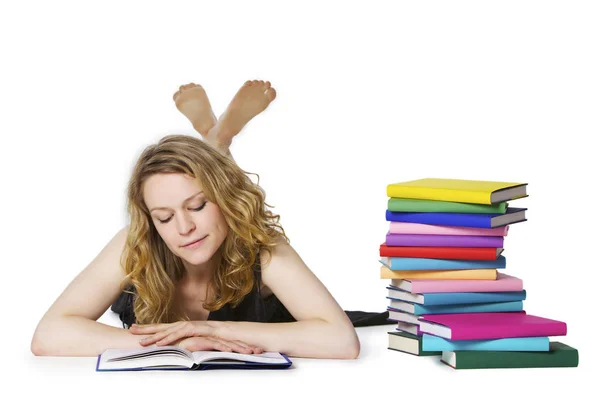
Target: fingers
column 186, row 331
column 235, row 346
column 170, row 335
column 209, row 343
column 161, row 338
column 204, row 343
column 252, row 349
column 149, row 328
column 179, row 330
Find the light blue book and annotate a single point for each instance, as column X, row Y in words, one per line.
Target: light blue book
column 435, row 343
column 436, row 299
column 419, row 309
column 411, row 264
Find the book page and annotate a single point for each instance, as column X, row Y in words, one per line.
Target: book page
column 212, row 356
column 163, row 361
column 126, row 354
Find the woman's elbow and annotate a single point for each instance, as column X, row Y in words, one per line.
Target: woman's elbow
column 350, row 348
column 42, row 338
column 37, row 346
column 353, row 348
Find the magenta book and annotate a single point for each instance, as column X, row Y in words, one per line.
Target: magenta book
column 392, row 239
column 478, row 326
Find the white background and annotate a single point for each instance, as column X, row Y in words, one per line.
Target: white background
column 367, row 95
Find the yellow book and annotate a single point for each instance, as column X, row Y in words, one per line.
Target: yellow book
column 458, row 190
column 473, row 274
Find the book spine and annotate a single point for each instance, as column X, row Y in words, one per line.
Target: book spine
column 446, row 219
column 434, row 299
column 438, row 194
column 427, row 229
column 503, row 283
column 468, row 274
column 415, row 205
column 508, row 306
column 444, row 253
column 435, row 343
column 501, row 332
column 516, row 359
column 443, row 240
column 408, row 263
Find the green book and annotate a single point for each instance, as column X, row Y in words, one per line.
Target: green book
column 414, row 205
column 560, row 355
column 409, row 343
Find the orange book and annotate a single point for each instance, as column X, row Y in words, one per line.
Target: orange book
column 466, row 274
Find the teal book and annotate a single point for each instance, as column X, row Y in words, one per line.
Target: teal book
column 559, row 356
column 438, row 264
column 445, row 298
column 419, row 309
column 436, row 343
column 408, row 343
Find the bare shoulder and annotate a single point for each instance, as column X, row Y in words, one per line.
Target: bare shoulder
column 281, row 250
column 277, row 254
column 297, row 287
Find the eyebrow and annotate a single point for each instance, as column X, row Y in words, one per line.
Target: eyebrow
column 185, row 201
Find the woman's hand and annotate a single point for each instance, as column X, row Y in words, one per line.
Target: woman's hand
column 191, row 335
column 204, row 343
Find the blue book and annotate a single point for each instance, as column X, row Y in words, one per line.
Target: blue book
column 424, row 264
column 435, row 343
column 420, row 309
column 436, row 299
column 511, row 216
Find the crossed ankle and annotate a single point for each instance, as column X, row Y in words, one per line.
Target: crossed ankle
column 218, row 145
column 203, row 129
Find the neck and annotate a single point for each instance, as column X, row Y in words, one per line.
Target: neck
column 200, row 274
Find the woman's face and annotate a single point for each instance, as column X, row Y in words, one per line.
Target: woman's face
column 182, row 214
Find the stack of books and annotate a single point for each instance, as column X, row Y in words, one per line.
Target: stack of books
column 449, row 291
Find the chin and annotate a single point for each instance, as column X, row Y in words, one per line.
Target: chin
column 198, row 257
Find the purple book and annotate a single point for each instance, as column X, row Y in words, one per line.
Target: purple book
column 392, row 239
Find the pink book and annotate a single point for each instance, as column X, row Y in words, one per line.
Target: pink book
column 502, row 283
column 426, row 229
column 493, row 325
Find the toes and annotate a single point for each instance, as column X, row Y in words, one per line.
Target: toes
column 254, row 83
column 248, row 83
column 271, row 94
column 183, row 87
column 267, row 85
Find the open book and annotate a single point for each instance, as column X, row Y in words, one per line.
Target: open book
column 174, row 357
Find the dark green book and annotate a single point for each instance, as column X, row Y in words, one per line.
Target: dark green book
column 409, row 343
column 413, row 205
column 560, row 355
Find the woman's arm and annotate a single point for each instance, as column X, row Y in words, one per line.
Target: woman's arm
column 322, row 330
column 69, row 327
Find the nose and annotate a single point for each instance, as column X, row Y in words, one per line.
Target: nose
column 185, row 223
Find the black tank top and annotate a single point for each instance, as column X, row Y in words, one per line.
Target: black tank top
column 252, row 308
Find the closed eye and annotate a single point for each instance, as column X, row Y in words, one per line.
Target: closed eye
column 193, row 209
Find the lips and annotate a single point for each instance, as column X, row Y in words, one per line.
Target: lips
column 193, row 241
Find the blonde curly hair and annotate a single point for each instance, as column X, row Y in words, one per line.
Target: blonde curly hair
column 152, row 268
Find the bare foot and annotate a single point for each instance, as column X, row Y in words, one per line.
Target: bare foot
column 252, row 99
column 192, row 101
